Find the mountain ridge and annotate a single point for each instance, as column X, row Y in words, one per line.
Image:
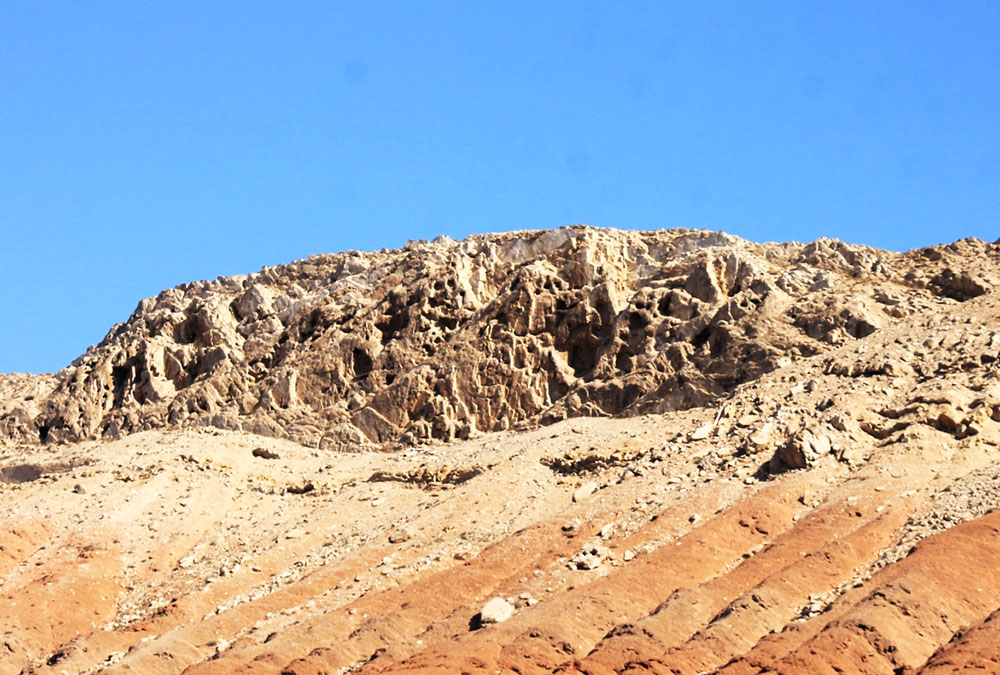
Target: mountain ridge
column 803, row 476
column 446, row 339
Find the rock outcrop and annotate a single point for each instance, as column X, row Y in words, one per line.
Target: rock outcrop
column 448, row 339
column 818, row 489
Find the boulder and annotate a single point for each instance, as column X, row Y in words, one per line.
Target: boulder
column 584, row 491
column 496, row 610
column 803, row 450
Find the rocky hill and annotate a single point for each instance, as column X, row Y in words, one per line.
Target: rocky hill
column 446, row 340
column 578, row 451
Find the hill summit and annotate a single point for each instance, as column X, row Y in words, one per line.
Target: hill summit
column 449, row 339
column 579, row 451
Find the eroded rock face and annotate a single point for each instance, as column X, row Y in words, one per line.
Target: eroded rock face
column 835, row 500
column 447, row 339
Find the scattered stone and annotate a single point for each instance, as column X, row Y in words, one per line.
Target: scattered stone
column 803, row 450
column 399, row 536
column 760, row 439
column 495, row 610
column 810, row 498
column 571, row 525
column 839, row 422
column 949, row 418
column 851, row 454
column 301, row 489
column 590, row 557
column 431, row 475
column 584, row 491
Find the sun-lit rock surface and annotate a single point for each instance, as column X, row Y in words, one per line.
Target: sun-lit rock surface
column 669, row 451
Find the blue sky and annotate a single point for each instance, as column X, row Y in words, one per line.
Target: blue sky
column 146, row 144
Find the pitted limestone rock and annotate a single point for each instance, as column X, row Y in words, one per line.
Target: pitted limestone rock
column 448, row 339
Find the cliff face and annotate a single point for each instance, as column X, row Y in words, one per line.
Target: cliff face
column 446, row 340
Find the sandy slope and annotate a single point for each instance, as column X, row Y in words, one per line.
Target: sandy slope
column 834, row 515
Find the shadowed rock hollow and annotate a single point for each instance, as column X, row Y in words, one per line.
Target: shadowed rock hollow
column 446, row 339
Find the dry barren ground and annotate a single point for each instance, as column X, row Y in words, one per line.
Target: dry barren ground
column 835, row 515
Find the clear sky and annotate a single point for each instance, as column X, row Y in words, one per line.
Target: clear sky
column 147, row 144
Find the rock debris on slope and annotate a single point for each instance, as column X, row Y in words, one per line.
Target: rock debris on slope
column 801, row 474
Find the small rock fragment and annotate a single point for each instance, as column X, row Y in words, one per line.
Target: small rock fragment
column 571, row 525
column 852, row 454
column 300, row 489
column 804, row 450
column 760, row 438
column 950, row 418
column 590, row 557
column 495, row 611
column 810, row 498
column 584, row 491
column 399, row 536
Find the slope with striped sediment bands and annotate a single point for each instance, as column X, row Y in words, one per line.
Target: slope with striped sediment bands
column 576, row 451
